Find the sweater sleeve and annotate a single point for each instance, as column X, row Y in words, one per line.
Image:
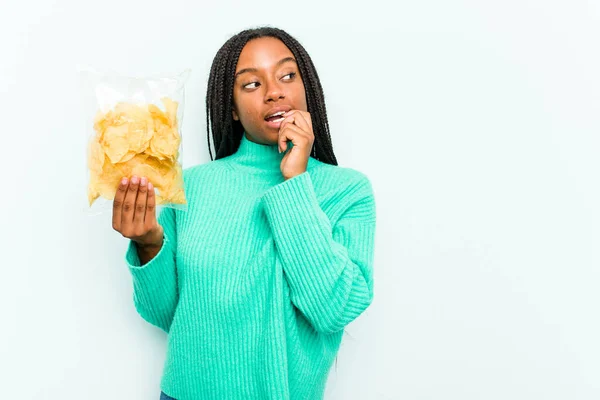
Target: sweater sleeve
column 155, row 292
column 329, row 269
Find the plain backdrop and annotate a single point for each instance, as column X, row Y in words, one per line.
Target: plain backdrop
column 476, row 121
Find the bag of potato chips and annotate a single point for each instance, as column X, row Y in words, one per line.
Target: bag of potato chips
column 134, row 127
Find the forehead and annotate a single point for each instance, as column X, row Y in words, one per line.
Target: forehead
column 262, row 53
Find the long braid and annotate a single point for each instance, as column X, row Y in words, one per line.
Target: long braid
column 226, row 132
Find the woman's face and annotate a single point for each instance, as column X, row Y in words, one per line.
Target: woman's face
column 267, row 80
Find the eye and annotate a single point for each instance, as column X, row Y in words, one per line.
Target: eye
column 247, row 85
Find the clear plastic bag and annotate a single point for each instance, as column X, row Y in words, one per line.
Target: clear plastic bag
column 134, row 128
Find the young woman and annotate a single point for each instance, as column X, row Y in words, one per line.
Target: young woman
column 256, row 281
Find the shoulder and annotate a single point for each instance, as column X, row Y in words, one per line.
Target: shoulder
column 340, row 178
column 344, row 191
column 201, row 172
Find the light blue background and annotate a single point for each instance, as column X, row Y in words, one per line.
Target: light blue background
column 477, row 122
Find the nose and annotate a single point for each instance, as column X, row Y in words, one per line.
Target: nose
column 274, row 92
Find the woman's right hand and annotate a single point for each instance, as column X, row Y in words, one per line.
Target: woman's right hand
column 134, row 212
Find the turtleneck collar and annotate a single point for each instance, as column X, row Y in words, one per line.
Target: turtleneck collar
column 261, row 157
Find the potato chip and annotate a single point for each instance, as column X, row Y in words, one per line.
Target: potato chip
column 136, row 139
column 171, row 110
column 114, row 142
column 95, row 156
column 164, row 144
column 166, row 140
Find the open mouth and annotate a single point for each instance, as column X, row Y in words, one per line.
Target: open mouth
column 274, row 118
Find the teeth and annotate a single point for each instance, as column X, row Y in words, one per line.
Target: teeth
column 276, row 114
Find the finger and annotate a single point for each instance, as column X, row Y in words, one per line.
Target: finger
column 140, row 203
column 300, row 119
column 150, row 219
column 290, row 132
column 118, row 203
column 129, row 202
column 287, row 119
column 283, row 139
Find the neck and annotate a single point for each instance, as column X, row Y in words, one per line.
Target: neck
column 259, row 157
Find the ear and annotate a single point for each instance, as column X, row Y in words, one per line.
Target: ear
column 235, row 115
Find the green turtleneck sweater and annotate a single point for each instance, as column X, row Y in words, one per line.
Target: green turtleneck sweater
column 256, row 281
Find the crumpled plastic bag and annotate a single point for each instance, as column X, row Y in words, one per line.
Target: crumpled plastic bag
column 136, row 131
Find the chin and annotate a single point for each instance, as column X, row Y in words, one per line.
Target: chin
column 272, row 138
column 269, row 137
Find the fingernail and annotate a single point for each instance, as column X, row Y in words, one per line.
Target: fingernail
column 143, row 181
column 150, row 187
column 124, row 181
column 134, row 180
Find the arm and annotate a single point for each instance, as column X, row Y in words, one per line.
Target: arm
column 329, row 269
column 155, row 292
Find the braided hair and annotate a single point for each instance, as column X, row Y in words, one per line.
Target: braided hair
column 226, row 132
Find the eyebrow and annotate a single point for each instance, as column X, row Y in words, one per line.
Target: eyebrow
column 282, row 61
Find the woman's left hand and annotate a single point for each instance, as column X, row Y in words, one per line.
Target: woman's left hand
column 297, row 127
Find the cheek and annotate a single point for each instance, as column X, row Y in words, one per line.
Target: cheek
column 300, row 96
column 247, row 113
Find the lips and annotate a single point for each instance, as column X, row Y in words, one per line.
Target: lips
column 274, row 123
column 273, row 113
column 276, row 116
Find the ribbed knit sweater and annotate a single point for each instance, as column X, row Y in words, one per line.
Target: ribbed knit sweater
column 256, row 281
